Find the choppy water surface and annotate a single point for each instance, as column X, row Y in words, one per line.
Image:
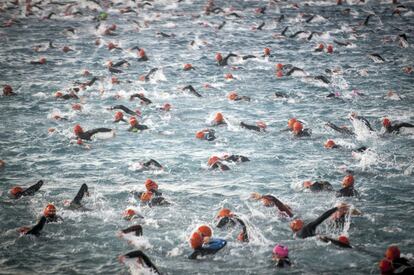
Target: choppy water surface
column 86, row 242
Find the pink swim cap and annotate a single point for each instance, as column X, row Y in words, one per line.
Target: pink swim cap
column 281, row 251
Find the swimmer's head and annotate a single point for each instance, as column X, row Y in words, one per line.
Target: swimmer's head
column 119, row 116
column 232, row 96
column 196, row 240
column 218, row 118
column 58, row 94
column 307, row 184
column 77, row 129
column 77, row 107
column 343, row 239
column 392, row 252
column 329, row 144
column 133, row 121
column 296, row 225
column 321, row 46
column 42, row 60
column 280, row 251
column 224, row 212
column 200, row 135
column 146, row 196
column 297, row 127
column 212, row 160
column 49, row 211
column 151, row 185
column 15, row 191
column 166, row 107
column 291, row 122
column 386, row 266
column 261, row 125
column 128, row 214
column 329, row 49
column 219, row 57
column 205, row 230
column 266, row 51
column 279, row 66
column 386, row 122
column 7, row 90
column 187, row 67
column 141, row 53
column 228, row 76
column 348, row 181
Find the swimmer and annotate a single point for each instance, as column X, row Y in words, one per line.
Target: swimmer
column 76, row 204
column 141, row 96
column 50, row 214
column 303, row 230
column 203, row 244
column 362, row 119
column 147, row 77
column 152, row 164
column 206, row 134
column 298, row 130
column 218, row 120
column 343, row 130
column 394, row 128
column 142, row 260
column 188, row 67
column 71, row 95
column 17, row 191
column 318, row 186
column 330, row 144
column 260, row 127
column 35, row 230
column 214, row 162
column 166, row 107
column 135, row 127
column 125, row 109
column 136, row 229
column 8, row 90
column 226, row 218
column 269, row 201
column 191, row 89
column 142, row 55
column 88, row 134
column 233, row 96
column 394, row 255
column 131, row 214
column 347, row 187
column 235, row 158
column 280, row 255
column 41, row 61
column 342, row 241
column 224, row 61
column 119, row 116
column 152, row 196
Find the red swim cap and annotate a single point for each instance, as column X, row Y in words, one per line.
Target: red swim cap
column 42, row 60
column 392, row 252
column 291, row 122
column 15, row 191
column 50, row 210
column 343, row 239
column 386, row 122
column 133, row 121
column 261, row 125
column 297, row 127
column 224, row 212
column 386, row 266
column 188, row 67
column 212, row 160
column 232, row 96
column 76, row 107
column 296, row 225
column 348, row 181
column 200, row 135
column 196, row 240
column 77, row 129
column 146, row 196
column 119, row 116
column 141, row 53
column 329, row 144
column 58, row 94
column 151, row 185
column 266, row 51
column 205, row 231
column 7, row 89
column 129, row 214
column 307, row 184
column 279, row 66
column 330, row 49
column 219, row 57
column 228, row 76
column 321, row 46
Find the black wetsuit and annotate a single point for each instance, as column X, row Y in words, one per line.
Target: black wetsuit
column 243, row 97
column 143, row 98
column 139, row 254
column 135, row 228
column 396, row 128
column 143, row 58
column 364, row 120
column 319, row 186
column 192, row 90
column 231, row 221
column 138, row 127
column 341, row 130
column 76, row 202
column 31, row 190
column 399, row 262
column 303, row 133
column 278, row 204
column 236, row 158
column 283, row 262
column 152, row 163
column 125, row 109
column 209, row 135
column 309, row 229
column 35, row 230
column 335, row 242
column 54, row 218
column 224, row 61
column 69, row 96
column 156, row 200
column 347, row 192
column 205, row 251
column 150, row 73
column 88, row 134
column 251, row 127
column 219, row 165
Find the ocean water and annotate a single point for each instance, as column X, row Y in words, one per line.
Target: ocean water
column 87, row 243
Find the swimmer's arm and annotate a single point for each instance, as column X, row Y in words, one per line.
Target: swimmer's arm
column 281, row 206
column 404, row 124
column 80, row 194
column 33, row 189
column 123, row 108
column 322, row 218
column 97, row 130
column 38, row 227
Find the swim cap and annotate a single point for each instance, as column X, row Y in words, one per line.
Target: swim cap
column 330, row 49
column 266, row 51
column 66, row 49
column 386, row 266
column 348, row 181
column 146, row 196
column 392, row 252
column 133, row 121
column 218, row 117
column 128, row 214
column 58, row 94
column 200, row 135
column 77, row 107
column 261, row 125
column 232, row 96
column 42, row 60
column 166, row 107
column 329, row 144
column 296, row 225
column 196, row 240
column 50, row 210
column 291, row 122
column 228, row 76
column 297, row 127
column 15, row 191
column 205, row 231
column 386, row 122
column 187, row 67
column 151, row 185
column 224, row 212
column 77, row 129
column 212, row 160
column 321, row 46
column 307, row 184
column 279, row 66
column 343, row 239
column 119, row 116
column 281, row 251
column 111, row 46
column 7, row 89
column 141, row 53
column 219, row 57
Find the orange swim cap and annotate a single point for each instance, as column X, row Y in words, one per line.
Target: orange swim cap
column 77, row 129
column 343, row 239
column 50, row 210
column 348, row 181
column 279, row 66
column 392, row 252
column 141, row 53
column 386, row 122
column 386, row 266
column 297, row 127
column 15, row 191
column 119, row 116
column 196, row 240
column 228, row 76
column 329, row 144
column 133, row 121
column 151, row 185
column 188, row 67
column 321, row 46
column 307, row 184
column 296, row 225
column 218, row 117
column 232, row 96
column 42, row 60
column 205, row 231
column 266, row 51
column 146, row 196
column 224, row 212
column 200, row 135
column 291, row 122
column 219, row 57
column 212, row 160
